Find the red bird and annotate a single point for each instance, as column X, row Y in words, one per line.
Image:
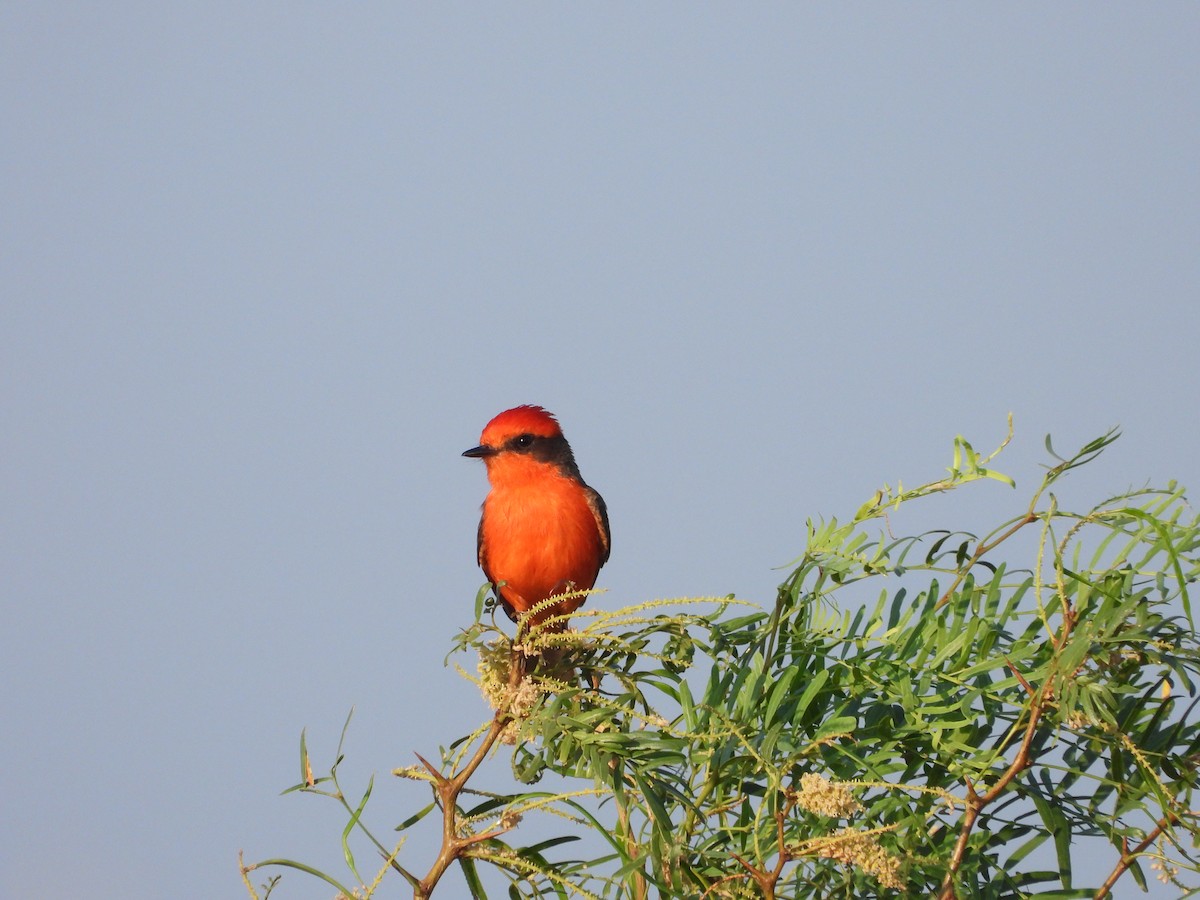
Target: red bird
column 543, row 530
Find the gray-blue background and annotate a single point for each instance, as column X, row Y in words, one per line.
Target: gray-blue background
column 266, row 269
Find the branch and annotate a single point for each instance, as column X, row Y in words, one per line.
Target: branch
column 977, row 802
column 983, row 548
column 449, row 789
column 765, row 882
column 1128, row 857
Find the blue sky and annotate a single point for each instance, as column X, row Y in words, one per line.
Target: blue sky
column 268, row 269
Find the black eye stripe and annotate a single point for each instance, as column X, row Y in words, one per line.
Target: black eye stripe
column 553, row 450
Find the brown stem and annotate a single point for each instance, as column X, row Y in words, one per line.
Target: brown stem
column 784, row 856
column 1129, row 856
column 765, row 883
column 1027, row 519
column 977, row 802
column 449, row 789
column 640, row 888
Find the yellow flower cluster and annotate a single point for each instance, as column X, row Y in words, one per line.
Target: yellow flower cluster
column 820, row 795
column 495, row 664
column 857, row 848
column 495, row 661
column 849, row 846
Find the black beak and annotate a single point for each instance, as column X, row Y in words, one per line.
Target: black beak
column 480, row 452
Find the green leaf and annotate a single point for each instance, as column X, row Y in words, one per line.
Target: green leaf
column 305, row 768
column 317, row 873
column 836, row 725
column 481, row 596
column 778, row 692
column 1056, row 824
column 810, row 692
column 416, row 817
column 471, row 875
column 658, row 810
column 553, row 842
column 349, row 856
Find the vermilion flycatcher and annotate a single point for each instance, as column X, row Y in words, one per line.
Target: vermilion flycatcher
column 543, row 530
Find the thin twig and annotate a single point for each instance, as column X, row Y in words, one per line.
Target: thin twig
column 449, row 789
column 976, row 802
column 1128, row 857
column 761, row 878
column 1026, row 519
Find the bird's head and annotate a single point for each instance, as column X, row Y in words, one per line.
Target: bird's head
column 523, row 440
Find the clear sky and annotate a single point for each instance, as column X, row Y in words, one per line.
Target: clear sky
column 267, row 269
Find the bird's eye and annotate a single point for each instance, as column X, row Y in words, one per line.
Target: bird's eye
column 524, row 441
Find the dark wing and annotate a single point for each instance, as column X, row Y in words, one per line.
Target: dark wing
column 481, row 550
column 596, row 504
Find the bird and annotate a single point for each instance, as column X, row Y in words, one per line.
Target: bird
column 543, row 531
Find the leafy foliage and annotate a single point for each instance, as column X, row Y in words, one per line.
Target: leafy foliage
column 958, row 735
